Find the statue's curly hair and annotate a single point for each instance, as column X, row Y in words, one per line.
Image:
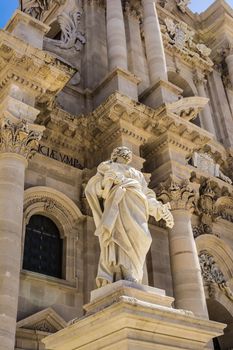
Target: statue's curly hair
column 123, row 152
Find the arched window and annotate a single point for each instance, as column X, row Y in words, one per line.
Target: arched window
column 43, row 247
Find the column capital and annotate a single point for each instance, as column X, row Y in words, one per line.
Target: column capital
column 19, row 137
column 199, row 78
column 180, row 195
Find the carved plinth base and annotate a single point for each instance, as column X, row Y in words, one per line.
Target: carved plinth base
column 127, row 316
column 27, row 28
column 118, row 80
column 159, row 93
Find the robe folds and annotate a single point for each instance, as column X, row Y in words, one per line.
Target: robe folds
column 122, row 221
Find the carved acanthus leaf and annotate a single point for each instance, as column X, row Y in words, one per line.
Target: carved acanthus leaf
column 180, row 195
column 18, row 137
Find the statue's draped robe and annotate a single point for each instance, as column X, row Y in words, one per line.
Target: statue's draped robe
column 122, row 224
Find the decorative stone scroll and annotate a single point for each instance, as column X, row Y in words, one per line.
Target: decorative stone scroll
column 18, row 137
column 206, row 163
column 71, row 36
column 212, row 275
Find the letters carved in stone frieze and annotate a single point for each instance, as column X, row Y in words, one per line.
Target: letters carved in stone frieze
column 19, row 137
column 213, row 276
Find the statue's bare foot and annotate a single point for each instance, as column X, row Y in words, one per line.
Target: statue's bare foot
column 102, row 282
column 127, row 275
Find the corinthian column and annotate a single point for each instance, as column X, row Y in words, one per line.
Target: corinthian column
column 206, row 120
column 116, row 39
column 18, row 141
column 186, row 272
column 154, row 43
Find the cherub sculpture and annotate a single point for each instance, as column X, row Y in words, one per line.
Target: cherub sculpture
column 121, row 203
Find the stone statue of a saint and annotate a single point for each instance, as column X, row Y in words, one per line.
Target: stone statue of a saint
column 121, row 203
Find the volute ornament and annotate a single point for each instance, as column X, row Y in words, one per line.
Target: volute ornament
column 71, row 36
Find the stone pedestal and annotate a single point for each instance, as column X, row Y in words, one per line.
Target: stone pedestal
column 27, row 29
column 118, row 80
column 128, row 316
column 159, row 93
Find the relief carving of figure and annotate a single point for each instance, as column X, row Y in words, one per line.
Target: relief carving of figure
column 121, row 203
column 36, row 8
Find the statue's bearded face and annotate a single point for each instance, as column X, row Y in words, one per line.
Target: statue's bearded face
column 122, row 155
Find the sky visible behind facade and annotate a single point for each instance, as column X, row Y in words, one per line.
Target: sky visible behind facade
column 7, row 7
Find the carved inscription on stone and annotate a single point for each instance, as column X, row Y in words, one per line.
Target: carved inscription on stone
column 60, row 157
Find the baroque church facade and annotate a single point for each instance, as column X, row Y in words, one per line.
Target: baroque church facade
column 77, row 79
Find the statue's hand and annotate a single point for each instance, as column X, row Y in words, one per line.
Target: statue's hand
column 167, row 215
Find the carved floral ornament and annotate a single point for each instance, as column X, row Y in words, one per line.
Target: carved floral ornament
column 19, row 137
column 179, row 195
column 212, row 275
column 71, row 35
column 181, row 37
column 214, row 203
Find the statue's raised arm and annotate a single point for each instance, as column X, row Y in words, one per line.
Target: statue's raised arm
column 122, row 219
